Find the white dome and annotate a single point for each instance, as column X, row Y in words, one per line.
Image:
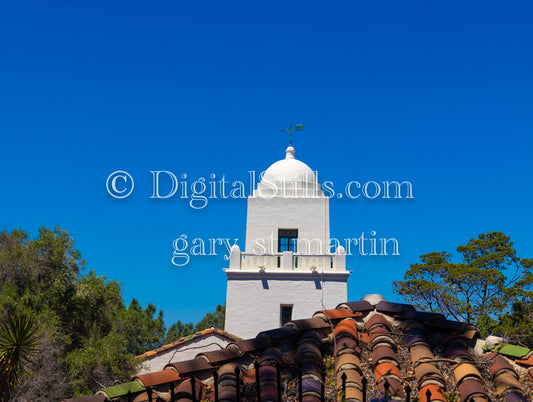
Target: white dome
column 289, row 177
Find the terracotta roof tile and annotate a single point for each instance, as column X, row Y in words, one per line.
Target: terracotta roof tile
column 436, row 392
column 392, row 387
column 425, row 371
column 387, row 370
column 420, row 352
column 271, row 356
column 465, row 371
column 278, row 333
column 310, row 323
column 227, row 382
column 156, row 378
column 359, row 306
column 346, row 344
column 335, row 314
column 219, row 356
column 352, row 395
column 471, row 388
column 457, row 349
column 514, row 396
column 189, row 366
column 377, row 323
column 449, row 325
column 421, row 316
column 380, row 350
column 249, row 345
column 382, row 339
column 393, row 308
column 384, row 353
column 348, row 362
column 346, row 327
column 499, row 364
column 506, row 382
column 185, row 390
column 353, row 378
column 527, row 362
column 189, row 338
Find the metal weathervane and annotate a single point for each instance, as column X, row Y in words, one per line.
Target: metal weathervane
column 291, row 129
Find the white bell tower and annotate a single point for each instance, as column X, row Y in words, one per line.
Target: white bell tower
column 287, row 271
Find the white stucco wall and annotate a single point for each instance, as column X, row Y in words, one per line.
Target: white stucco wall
column 186, row 351
column 253, row 305
column 309, row 215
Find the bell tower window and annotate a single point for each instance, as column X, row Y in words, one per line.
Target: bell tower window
column 288, row 240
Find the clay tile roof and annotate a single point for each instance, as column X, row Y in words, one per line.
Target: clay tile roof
column 156, row 378
column 249, row 345
column 387, row 370
column 466, row 371
column 372, row 352
column 499, row 364
column 393, row 308
column 122, row 389
column 383, row 353
column 424, row 371
column 346, row 327
column 310, row 323
column 348, row 362
column 470, row 388
column 346, row 344
column 514, row 396
column 376, row 322
column 189, row 366
column 420, row 353
column 436, row 392
column 451, row 325
column 359, row 306
column 187, row 339
column 335, row 314
column 220, row 356
column 278, row 333
column 271, row 356
column 185, row 391
column 527, row 362
column 421, row 316
column 506, row 382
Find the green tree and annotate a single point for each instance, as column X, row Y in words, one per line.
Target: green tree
column 140, row 328
column 481, row 289
column 91, row 337
column 517, row 324
column 19, row 340
column 178, row 330
column 215, row 319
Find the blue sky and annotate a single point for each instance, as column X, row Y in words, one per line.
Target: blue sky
column 436, row 93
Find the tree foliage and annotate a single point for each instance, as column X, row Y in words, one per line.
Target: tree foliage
column 487, row 288
column 88, row 337
column 19, row 339
column 179, row 330
column 215, row 319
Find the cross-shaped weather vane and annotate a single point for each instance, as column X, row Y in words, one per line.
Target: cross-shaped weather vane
column 291, row 129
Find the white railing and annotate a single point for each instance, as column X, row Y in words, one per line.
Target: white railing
column 287, row 261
